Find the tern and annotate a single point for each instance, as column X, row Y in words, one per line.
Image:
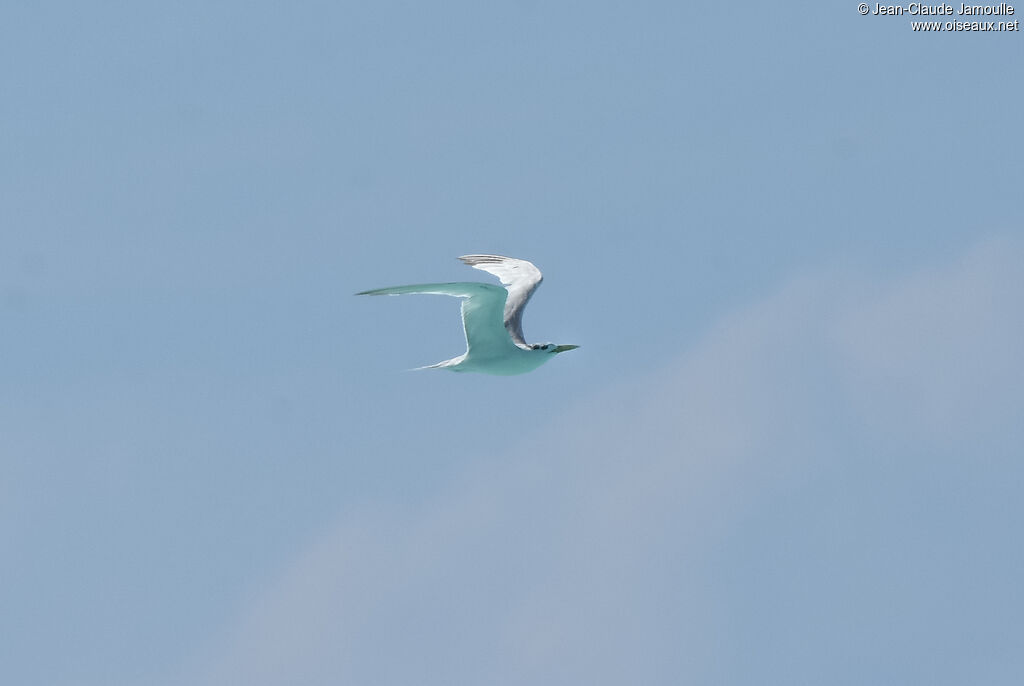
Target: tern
column 492, row 317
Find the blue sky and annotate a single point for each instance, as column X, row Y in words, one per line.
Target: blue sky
column 788, row 241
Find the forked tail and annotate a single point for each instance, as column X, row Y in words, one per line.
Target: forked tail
column 440, row 365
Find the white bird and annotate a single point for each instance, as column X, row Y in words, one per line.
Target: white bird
column 492, row 317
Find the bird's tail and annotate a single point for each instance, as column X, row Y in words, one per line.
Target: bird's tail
column 440, row 365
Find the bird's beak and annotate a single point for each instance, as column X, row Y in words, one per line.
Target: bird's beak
column 563, row 348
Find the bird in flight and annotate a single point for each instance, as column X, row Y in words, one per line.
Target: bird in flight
column 492, row 317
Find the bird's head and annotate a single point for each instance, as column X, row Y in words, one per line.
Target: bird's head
column 551, row 348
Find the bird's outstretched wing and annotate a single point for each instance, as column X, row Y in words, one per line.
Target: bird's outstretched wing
column 520, row 278
column 482, row 309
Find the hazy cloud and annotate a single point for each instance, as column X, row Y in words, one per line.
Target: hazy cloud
column 795, row 500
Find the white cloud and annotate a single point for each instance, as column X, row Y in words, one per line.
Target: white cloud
column 942, row 346
column 718, row 521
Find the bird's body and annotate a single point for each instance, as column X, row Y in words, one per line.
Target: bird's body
column 492, row 317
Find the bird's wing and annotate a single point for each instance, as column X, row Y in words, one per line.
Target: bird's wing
column 482, row 310
column 520, row 278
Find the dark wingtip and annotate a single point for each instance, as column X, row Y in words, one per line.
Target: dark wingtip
column 481, row 259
